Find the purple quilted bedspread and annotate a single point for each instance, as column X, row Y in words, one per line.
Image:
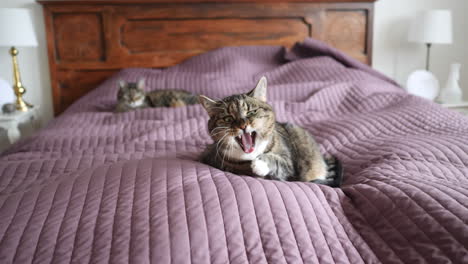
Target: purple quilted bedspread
column 103, row 187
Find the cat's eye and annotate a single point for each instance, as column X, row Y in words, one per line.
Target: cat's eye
column 228, row 119
column 253, row 112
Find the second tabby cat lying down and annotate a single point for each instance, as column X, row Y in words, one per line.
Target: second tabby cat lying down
column 249, row 141
column 133, row 96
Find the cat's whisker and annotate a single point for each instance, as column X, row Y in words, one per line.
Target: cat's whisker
column 219, row 128
column 220, row 140
column 211, row 133
column 228, row 150
column 214, row 134
column 219, row 132
column 217, row 144
column 224, row 156
column 231, row 147
column 217, row 149
column 226, row 132
column 217, row 152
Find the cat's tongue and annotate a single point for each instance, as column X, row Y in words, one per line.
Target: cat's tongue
column 247, row 143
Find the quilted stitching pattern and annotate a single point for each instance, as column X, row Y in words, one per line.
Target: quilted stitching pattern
column 100, row 187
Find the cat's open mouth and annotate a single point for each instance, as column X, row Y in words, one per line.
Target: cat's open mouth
column 247, row 141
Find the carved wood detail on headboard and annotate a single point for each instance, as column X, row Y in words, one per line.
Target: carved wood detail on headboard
column 90, row 40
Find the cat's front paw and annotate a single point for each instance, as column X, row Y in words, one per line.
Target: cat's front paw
column 260, row 167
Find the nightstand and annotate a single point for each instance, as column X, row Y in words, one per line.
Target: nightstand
column 460, row 107
column 12, row 122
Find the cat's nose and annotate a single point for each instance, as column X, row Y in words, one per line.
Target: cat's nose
column 243, row 123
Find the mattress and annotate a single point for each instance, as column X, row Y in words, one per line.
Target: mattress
column 101, row 187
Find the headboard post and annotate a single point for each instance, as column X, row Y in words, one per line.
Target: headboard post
column 89, row 40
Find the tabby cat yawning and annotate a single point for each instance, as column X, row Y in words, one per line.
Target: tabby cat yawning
column 249, row 141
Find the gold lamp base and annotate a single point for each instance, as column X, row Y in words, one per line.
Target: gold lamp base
column 18, row 87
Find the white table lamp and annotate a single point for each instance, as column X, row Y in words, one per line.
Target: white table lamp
column 431, row 27
column 16, row 29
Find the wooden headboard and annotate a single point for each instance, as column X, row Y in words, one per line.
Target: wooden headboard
column 88, row 40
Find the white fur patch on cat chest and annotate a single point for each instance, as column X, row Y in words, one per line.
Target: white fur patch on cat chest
column 260, row 167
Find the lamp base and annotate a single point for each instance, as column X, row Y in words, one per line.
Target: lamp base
column 18, row 87
column 424, row 84
column 22, row 105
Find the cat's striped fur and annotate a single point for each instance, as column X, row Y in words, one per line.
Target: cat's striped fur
column 171, row 98
column 133, row 96
column 249, row 141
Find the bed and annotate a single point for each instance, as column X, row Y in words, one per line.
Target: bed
column 101, row 187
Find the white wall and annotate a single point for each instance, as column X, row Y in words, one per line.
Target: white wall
column 397, row 58
column 33, row 62
column 392, row 54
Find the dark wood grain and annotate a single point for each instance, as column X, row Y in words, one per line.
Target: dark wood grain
column 76, row 83
column 346, row 30
column 90, row 40
column 85, row 27
column 205, row 34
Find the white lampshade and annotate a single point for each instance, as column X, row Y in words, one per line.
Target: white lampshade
column 434, row 26
column 16, row 28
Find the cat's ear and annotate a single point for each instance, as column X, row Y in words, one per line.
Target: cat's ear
column 123, row 84
column 260, row 91
column 207, row 103
column 141, row 84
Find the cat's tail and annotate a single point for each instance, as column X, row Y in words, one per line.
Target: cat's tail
column 335, row 173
